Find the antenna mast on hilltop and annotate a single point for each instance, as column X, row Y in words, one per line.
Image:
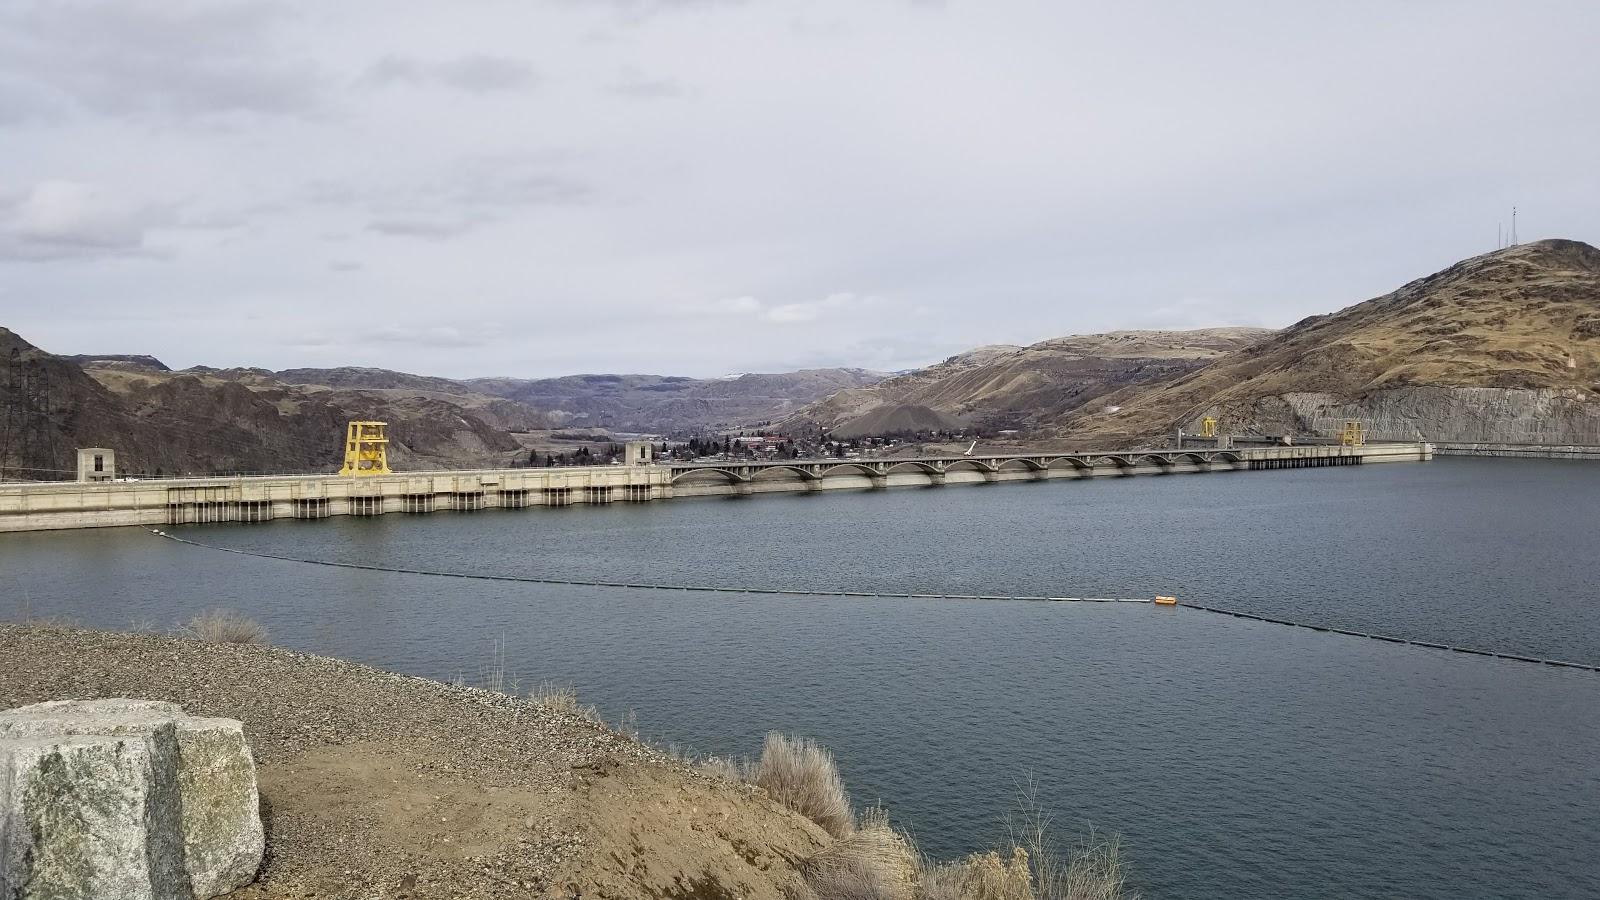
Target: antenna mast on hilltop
column 1513, row 226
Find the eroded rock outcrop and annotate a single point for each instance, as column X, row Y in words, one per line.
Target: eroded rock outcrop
column 1497, row 415
column 125, row 798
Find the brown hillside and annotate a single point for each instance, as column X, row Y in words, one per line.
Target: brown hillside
column 1028, row 387
column 212, row 422
column 672, row 404
column 892, row 418
column 1517, row 327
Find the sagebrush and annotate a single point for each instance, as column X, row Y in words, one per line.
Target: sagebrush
column 801, row 774
column 224, row 626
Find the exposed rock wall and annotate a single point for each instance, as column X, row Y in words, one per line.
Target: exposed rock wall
column 1460, row 414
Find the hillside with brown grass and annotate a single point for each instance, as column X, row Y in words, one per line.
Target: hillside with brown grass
column 1003, row 387
column 1500, row 347
column 210, row 421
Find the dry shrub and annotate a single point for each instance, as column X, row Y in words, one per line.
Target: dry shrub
column 801, row 774
column 875, row 862
column 981, row 876
column 562, row 698
column 549, row 694
column 723, row 767
column 225, row 626
column 495, row 676
column 1095, row 873
column 1092, row 872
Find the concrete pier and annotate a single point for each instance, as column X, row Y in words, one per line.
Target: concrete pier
column 39, row 506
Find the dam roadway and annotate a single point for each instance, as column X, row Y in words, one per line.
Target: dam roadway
column 40, row 506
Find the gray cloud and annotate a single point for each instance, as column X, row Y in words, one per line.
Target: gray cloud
column 71, row 220
column 639, row 10
column 635, row 85
column 883, row 187
column 447, row 205
column 436, row 336
column 150, row 58
column 435, row 229
column 475, row 73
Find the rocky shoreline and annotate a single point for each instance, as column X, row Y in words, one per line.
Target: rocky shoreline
column 376, row 785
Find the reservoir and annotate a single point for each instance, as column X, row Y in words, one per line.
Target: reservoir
column 1235, row 758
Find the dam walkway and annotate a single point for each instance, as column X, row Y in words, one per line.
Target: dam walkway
column 38, row 506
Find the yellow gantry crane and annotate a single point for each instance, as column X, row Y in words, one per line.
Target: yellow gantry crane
column 1354, row 434
column 1208, row 427
column 366, row 449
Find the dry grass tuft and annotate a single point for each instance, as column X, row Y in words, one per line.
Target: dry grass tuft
column 875, row 862
column 495, row 676
column 562, row 698
column 1095, row 873
column 224, row 626
column 801, row 774
column 1092, row 872
column 551, row 695
column 723, row 767
column 981, row 876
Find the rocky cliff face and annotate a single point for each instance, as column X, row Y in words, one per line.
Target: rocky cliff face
column 1503, row 347
column 1490, row 415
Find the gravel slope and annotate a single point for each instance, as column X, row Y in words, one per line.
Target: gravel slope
column 377, row 785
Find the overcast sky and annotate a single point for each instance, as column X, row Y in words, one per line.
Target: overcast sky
column 701, row 187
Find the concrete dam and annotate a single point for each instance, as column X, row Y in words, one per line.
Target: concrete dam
column 39, row 506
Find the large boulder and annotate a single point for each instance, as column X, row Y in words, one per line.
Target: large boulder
column 125, row 798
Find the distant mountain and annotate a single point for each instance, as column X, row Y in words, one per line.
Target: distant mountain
column 1006, row 387
column 359, row 378
column 120, row 361
column 1502, row 347
column 206, row 421
column 667, row 404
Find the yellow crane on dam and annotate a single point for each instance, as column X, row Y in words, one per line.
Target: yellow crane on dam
column 366, row 449
column 1354, row 434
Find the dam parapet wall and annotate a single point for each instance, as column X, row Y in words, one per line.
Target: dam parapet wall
column 41, row 506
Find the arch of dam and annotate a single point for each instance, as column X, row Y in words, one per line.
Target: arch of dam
column 38, row 506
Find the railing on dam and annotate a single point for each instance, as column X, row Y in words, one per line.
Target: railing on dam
column 181, row 501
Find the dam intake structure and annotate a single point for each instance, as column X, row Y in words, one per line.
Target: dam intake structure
column 40, row 506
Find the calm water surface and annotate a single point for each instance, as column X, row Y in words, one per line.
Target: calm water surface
column 1237, row 759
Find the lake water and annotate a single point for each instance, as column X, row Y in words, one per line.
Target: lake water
column 1237, row 759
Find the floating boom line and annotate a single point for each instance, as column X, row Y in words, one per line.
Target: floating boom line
column 885, row 595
